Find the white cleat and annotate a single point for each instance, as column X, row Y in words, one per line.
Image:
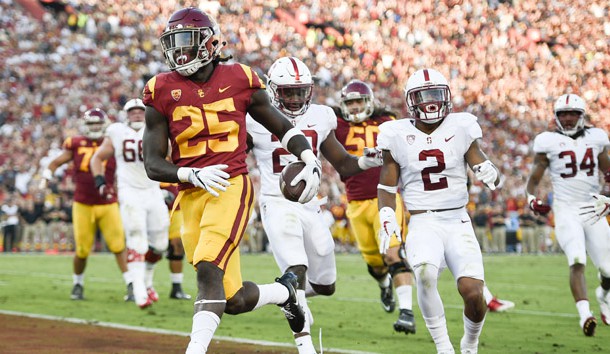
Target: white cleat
column 604, row 304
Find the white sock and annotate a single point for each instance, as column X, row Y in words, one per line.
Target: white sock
column 405, row 297
column 583, row 309
column 78, row 279
column 204, row 326
column 275, row 293
column 150, row 272
column 305, row 345
column 127, row 277
column 301, row 298
column 472, row 331
column 385, row 282
column 176, row 278
column 488, row 295
column 437, row 326
column 139, row 287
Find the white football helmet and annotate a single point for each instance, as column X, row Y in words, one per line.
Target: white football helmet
column 357, row 101
column 290, row 86
column 428, row 96
column 95, row 121
column 570, row 103
column 134, row 108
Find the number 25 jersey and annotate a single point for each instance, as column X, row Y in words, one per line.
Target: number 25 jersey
column 206, row 120
column 573, row 162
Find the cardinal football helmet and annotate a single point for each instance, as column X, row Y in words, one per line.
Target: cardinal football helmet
column 428, row 96
column 95, row 121
column 570, row 103
column 357, row 90
column 190, row 41
column 290, row 86
column 135, row 113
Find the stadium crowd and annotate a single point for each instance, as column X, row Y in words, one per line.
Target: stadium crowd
column 507, row 61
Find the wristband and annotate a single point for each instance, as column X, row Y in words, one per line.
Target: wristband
column 292, row 132
column 388, row 189
column 99, row 181
column 183, row 174
column 530, row 199
column 308, row 157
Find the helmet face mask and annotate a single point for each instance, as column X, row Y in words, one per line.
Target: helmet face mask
column 357, row 101
column 290, row 86
column 428, row 96
column 570, row 114
column 190, row 41
column 95, row 121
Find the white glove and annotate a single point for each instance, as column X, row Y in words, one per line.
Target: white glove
column 311, row 174
column 388, row 227
column 47, row 175
column 487, row 173
column 372, row 157
column 210, row 178
column 593, row 212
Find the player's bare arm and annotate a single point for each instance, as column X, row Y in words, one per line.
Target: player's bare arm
column 541, row 162
column 335, row 153
column 155, row 148
column 66, row 156
column 604, row 160
column 388, row 180
column 477, row 160
column 103, row 153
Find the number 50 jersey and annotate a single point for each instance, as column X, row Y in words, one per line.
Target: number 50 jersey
column 573, row 162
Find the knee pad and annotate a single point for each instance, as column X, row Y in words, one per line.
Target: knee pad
column 326, row 290
column 426, row 275
column 170, row 254
column 399, row 267
column 152, row 256
column 375, row 275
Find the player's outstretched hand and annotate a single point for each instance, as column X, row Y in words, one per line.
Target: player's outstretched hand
column 372, row 157
column 487, row 173
column 598, row 208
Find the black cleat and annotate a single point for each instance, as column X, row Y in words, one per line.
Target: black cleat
column 387, row 298
column 405, row 322
column 129, row 297
column 588, row 328
column 177, row 293
column 77, row 292
column 291, row 308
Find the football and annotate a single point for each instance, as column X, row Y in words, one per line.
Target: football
column 288, row 173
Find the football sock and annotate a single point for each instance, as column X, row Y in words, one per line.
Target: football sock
column 305, row 344
column 487, row 294
column 176, row 278
column 385, row 281
column 149, row 274
column 127, row 277
column 405, row 297
column 472, row 331
column 583, row 309
column 78, row 278
column 303, row 302
column 139, row 288
column 275, row 293
column 204, row 326
column 437, row 326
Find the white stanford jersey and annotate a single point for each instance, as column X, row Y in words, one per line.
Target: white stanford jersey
column 271, row 157
column 127, row 145
column 432, row 167
column 573, row 163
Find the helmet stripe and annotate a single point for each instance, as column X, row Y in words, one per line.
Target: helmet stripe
column 426, row 75
column 296, row 69
column 567, row 99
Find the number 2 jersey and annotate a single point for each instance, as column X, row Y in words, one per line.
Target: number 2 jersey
column 82, row 149
column 317, row 123
column 432, row 166
column 206, row 120
column 127, row 144
column 573, row 163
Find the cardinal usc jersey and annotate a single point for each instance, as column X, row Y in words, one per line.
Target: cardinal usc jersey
column 355, row 137
column 317, row 123
column 82, row 149
column 432, row 167
column 127, row 144
column 207, row 120
column 573, row 162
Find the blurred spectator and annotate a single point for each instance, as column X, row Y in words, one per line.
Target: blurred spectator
column 34, row 228
column 498, row 229
column 530, row 241
column 10, row 217
column 480, row 221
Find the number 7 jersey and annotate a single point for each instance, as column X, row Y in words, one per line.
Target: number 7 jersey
column 573, row 163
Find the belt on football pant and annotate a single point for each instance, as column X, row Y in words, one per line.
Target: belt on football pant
column 415, row 212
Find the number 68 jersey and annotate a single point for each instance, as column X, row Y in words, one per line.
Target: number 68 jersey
column 432, row 166
column 573, row 162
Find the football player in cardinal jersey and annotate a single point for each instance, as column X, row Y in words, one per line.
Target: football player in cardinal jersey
column 297, row 234
column 142, row 205
column 91, row 208
column 426, row 158
column 357, row 127
column 573, row 154
column 200, row 107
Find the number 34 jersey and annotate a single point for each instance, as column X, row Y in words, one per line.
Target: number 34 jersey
column 127, row 144
column 317, row 123
column 573, row 162
column 432, row 166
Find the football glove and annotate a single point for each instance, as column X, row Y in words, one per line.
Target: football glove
column 311, row 174
column 607, row 176
column 211, row 178
column 372, row 157
column 104, row 190
column 595, row 210
column 389, row 227
column 537, row 205
column 47, row 176
column 487, row 173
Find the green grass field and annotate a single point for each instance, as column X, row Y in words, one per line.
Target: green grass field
column 544, row 320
